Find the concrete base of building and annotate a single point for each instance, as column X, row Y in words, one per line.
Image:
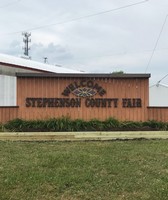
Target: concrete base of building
column 81, row 136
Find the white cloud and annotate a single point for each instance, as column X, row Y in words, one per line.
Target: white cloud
column 119, row 40
column 55, row 54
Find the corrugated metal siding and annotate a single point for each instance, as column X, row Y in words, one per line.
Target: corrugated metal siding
column 8, row 113
column 7, row 91
column 53, row 87
column 158, row 113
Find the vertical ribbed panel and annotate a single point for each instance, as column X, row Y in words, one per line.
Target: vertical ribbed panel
column 158, row 113
column 53, row 87
column 8, row 113
column 7, row 90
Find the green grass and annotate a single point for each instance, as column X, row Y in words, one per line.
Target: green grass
column 120, row 170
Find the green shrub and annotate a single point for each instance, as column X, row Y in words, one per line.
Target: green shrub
column 14, row 125
column 62, row 124
column 66, row 124
column 95, row 125
column 1, row 128
column 79, row 125
column 156, row 125
column 111, row 124
column 131, row 125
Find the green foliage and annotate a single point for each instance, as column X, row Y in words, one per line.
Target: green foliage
column 66, row 124
column 156, row 125
column 131, row 125
column 14, row 125
column 79, row 125
column 95, row 125
column 20, row 125
column 1, row 128
column 111, row 124
column 118, row 72
column 59, row 124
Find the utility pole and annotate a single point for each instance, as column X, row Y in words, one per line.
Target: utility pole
column 45, row 60
column 26, row 41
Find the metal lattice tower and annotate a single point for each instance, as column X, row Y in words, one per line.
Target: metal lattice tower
column 26, row 41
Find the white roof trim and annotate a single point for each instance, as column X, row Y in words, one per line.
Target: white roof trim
column 12, row 60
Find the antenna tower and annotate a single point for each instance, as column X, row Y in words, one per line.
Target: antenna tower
column 45, row 60
column 26, row 41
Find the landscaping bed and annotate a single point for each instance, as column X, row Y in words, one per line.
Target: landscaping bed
column 65, row 124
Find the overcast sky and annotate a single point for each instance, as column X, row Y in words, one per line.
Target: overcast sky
column 90, row 35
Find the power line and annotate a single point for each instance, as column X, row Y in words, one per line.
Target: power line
column 161, row 79
column 124, row 53
column 158, row 38
column 91, row 15
column 80, row 18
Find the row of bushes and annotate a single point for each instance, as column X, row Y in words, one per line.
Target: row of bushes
column 66, row 124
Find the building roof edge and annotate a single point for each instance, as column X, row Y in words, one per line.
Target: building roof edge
column 84, row 75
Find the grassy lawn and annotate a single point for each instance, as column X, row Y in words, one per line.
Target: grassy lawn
column 84, row 170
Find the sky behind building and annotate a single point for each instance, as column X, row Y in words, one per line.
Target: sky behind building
column 90, row 35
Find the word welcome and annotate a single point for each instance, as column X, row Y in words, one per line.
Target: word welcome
column 83, row 83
